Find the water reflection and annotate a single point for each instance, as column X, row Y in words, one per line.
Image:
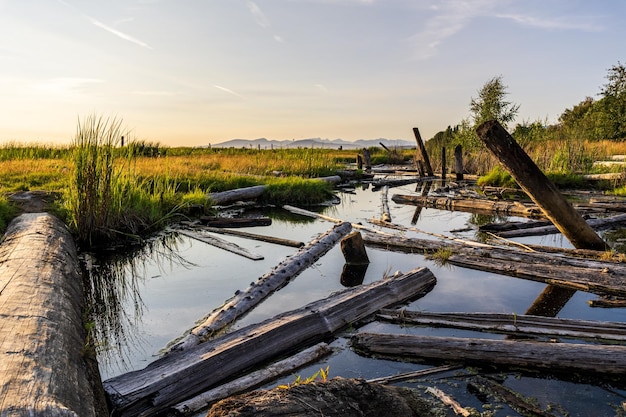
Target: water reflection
column 112, row 283
column 353, row 275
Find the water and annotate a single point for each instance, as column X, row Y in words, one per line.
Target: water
column 179, row 280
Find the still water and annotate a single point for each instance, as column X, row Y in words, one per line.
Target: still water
column 164, row 289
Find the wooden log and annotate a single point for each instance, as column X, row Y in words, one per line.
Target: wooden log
column 458, row 409
column 386, row 216
column 557, row 357
column 220, row 243
column 253, row 380
column 516, row 324
column 540, row 189
column 406, row 376
column 422, row 153
column 254, row 236
column 244, row 301
column 470, row 205
column 44, row 369
column 214, row 221
column 353, row 249
column 597, row 224
column 458, row 162
column 174, row 378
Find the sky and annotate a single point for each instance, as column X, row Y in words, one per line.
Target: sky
column 199, row 72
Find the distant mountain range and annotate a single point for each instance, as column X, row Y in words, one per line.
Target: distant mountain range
column 263, row 143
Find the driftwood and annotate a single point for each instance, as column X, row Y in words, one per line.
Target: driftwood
column 251, row 193
column 597, row 224
column 386, row 216
column 557, row 357
column 307, row 213
column 458, row 409
column 220, row 243
column 595, row 276
column 353, row 249
column 176, row 377
column 44, row 369
column 471, row 205
column 406, row 376
column 254, row 236
column 244, row 301
column 253, row 380
column 336, row 397
column 213, row 221
column 515, row 324
column 538, row 187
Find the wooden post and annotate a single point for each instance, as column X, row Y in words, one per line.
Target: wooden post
column 422, row 151
column 44, row 369
column 458, row 162
column 443, row 163
column 353, row 249
column 359, row 161
column 541, row 190
column 368, row 159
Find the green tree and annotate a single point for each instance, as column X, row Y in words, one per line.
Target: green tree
column 491, row 104
column 613, row 102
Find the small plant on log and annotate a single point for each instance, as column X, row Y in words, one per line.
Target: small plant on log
column 441, row 256
column 321, row 376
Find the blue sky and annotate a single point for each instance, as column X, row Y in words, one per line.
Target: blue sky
column 193, row 72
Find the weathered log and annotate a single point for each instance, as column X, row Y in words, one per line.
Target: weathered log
column 43, row 366
column 597, row 224
column 307, row 213
column 458, row 162
column 540, row 189
column 406, row 376
column 174, row 378
column 505, row 227
column 386, row 216
column 336, row 397
column 220, row 243
column 516, row 324
column 473, row 205
column 254, row 236
column 458, row 409
column 253, row 380
column 251, row 193
column 244, row 301
column 558, row 357
column 595, row 276
column 422, row 152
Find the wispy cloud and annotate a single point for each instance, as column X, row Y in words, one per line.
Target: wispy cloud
column 228, row 90
column 108, row 28
column 560, row 23
column 258, row 14
column 66, row 86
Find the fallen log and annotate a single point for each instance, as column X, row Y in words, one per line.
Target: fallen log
column 244, row 301
column 471, row 205
column 406, row 376
column 174, row 378
column 252, row 380
column 251, row 193
column 590, row 275
column 44, row 367
column 557, row 357
column 596, row 224
column 386, row 216
column 220, row 243
column 213, row 221
column 254, row 236
column 515, row 324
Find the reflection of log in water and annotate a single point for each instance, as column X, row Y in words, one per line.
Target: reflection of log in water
column 114, row 304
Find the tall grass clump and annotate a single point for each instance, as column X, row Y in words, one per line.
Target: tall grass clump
column 90, row 201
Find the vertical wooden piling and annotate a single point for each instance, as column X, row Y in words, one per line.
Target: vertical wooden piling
column 443, row 163
column 368, row 159
column 353, row 249
column 422, row 151
column 540, row 189
column 458, row 162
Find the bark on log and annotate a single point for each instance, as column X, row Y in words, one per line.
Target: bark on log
column 558, row 357
column 540, row 189
column 220, row 243
column 512, row 208
column 179, row 376
column 253, row 380
column 244, row 301
column 517, row 324
column 43, row 367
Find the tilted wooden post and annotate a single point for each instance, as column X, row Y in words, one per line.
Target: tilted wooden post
column 422, row 149
column 353, row 249
column 458, row 162
column 540, row 189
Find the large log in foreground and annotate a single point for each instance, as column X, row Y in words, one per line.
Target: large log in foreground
column 540, row 189
column 43, row 371
column 176, row 377
column 556, row 357
column 244, row 301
